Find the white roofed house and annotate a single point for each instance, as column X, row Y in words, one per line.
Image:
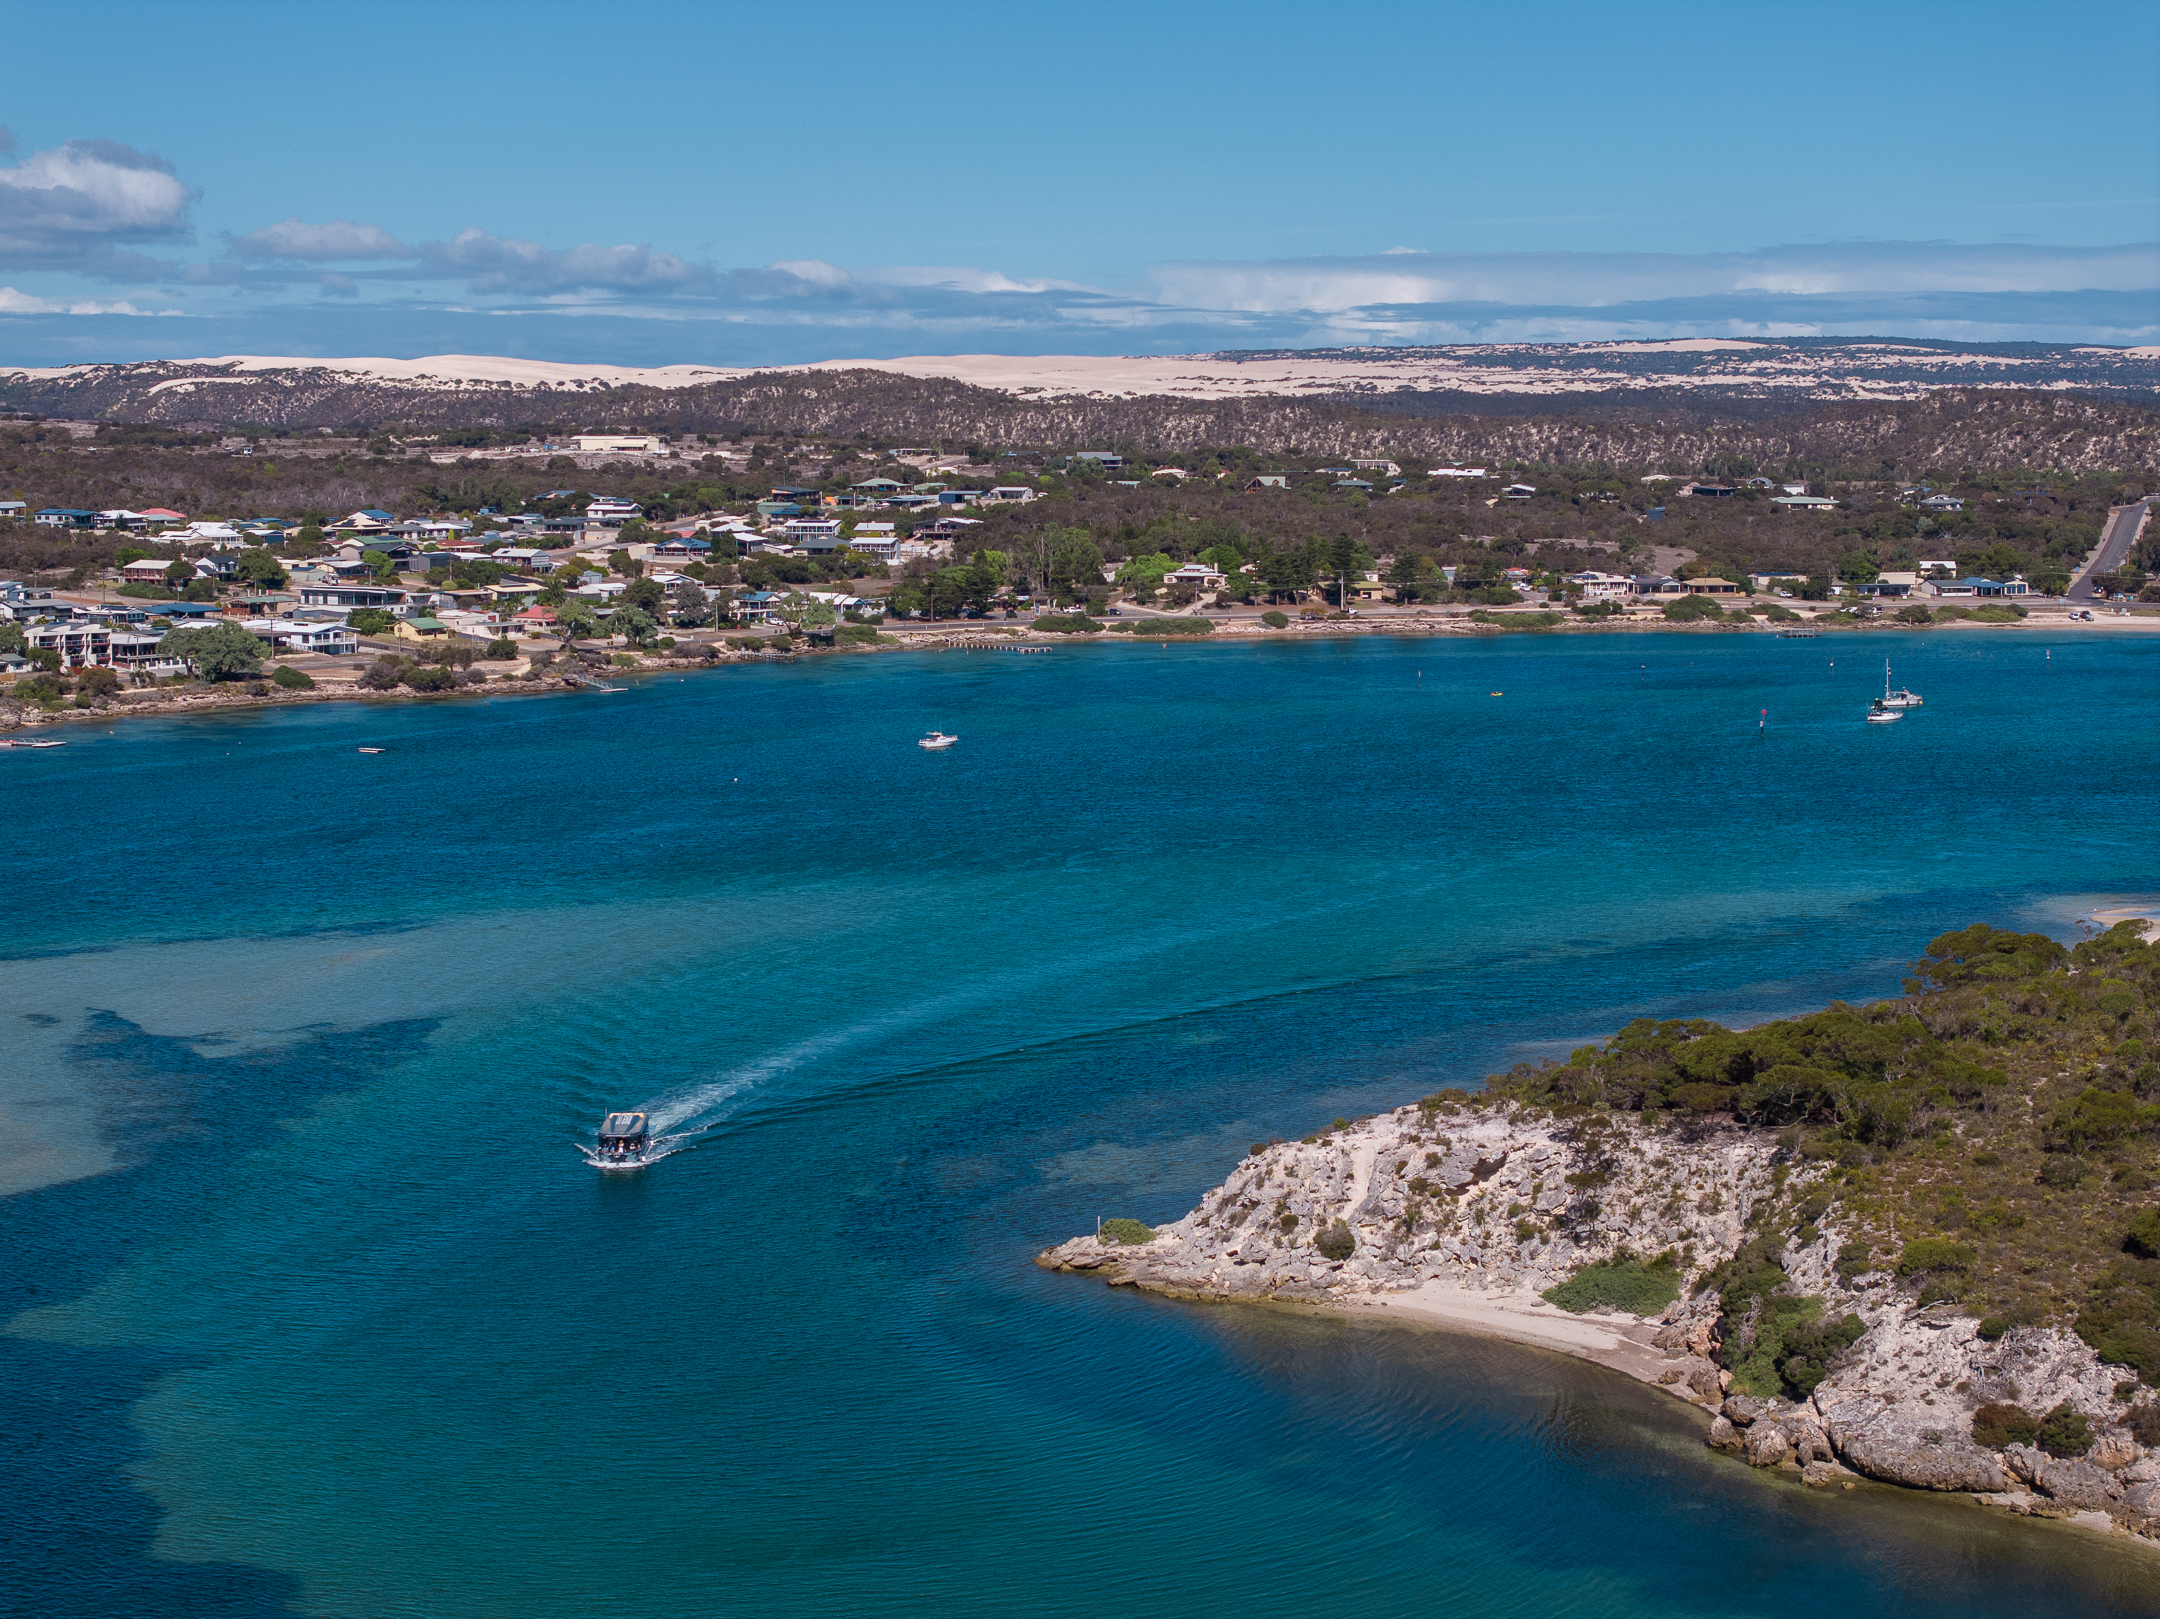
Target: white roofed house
column 472, row 621
column 79, row 643
column 1601, row 587
column 136, row 651
column 303, row 635
column 875, row 540
column 610, row 511
column 814, row 534
column 1196, row 576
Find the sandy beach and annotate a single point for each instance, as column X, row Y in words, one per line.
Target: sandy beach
column 1621, row 1342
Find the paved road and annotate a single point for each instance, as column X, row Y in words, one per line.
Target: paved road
column 2114, row 546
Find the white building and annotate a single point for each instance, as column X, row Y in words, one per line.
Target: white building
column 1601, row 587
column 1197, row 575
column 302, row 635
column 620, row 443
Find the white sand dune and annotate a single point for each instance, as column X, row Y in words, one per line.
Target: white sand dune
column 1881, row 370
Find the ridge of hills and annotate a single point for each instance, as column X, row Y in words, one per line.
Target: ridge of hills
column 1923, row 407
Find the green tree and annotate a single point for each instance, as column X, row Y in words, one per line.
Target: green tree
column 1075, row 563
column 1143, row 575
column 260, row 566
column 11, row 638
column 218, row 651
column 178, row 572
column 806, row 612
column 688, row 607
column 576, row 618
column 634, row 625
column 644, row 594
column 1287, row 570
column 380, row 562
column 2001, row 560
column 369, row 621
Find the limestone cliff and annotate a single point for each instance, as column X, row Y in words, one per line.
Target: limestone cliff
column 1493, row 1199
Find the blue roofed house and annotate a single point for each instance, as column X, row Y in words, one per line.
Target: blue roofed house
column 67, row 517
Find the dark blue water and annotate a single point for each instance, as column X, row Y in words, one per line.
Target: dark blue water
column 319, row 1310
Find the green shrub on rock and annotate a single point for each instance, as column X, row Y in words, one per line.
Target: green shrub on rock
column 1998, row 1425
column 293, row 679
column 1928, row 1254
column 2143, row 1237
column 1335, row 1241
column 1275, row 620
column 2065, row 1432
column 1127, row 1231
column 1628, row 1285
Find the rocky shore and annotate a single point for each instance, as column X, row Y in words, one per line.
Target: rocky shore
column 1453, row 1212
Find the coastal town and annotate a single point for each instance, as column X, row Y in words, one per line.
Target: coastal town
column 770, row 546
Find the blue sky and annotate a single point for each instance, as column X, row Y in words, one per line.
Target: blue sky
column 733, row 184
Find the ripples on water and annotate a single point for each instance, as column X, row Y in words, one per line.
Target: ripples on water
column 343, row 1326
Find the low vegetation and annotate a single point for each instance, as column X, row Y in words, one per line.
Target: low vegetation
column 1127, row 1231
column 1991, row 1138
column 1173, row 627
column 1632, row 1285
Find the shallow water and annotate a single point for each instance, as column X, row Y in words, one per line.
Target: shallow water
column 332, row 1318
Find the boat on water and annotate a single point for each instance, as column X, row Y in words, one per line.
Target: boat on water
column 25, row 742
column 1896, row 697
column 625, row 1139
column 936, row 740
column 1877, row 714
column 371, row 750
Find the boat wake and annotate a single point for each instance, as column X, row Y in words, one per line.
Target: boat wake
column 658, row 1148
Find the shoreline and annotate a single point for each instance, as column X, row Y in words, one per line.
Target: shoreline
column 991, row 638
column 1458, row 1214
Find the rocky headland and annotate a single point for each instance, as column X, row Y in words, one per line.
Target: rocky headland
column 1885, row 1260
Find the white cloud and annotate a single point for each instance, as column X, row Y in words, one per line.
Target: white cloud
column 1600, row 280
column 22, row 303
column 503, row 264
column 66, row 207
column 335, row 241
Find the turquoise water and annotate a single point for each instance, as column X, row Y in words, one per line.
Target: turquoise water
column 331, row 1317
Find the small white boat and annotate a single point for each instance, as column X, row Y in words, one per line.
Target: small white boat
column 1879, row 715
column 25, row 742
column 625, row 1141
column 936, row 740
column 371, row 750
column 1898, row 697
